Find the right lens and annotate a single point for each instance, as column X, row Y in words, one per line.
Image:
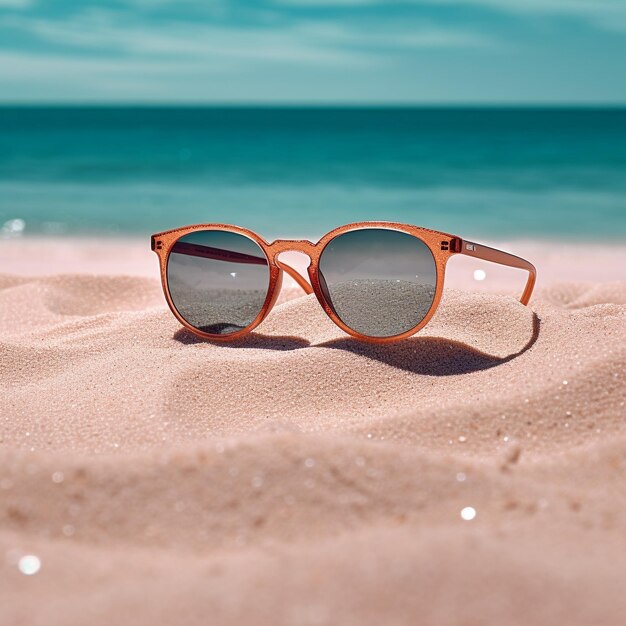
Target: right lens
column 218, row 280
column 380, row 282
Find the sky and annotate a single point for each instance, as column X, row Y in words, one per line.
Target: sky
column 313, row 51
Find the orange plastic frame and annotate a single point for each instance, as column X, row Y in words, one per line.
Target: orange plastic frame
column 442, row 246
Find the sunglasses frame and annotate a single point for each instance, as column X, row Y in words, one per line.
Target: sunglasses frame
column 442, row 246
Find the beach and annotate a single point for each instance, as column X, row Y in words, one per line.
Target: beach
column 315, row 470
column 473, row 474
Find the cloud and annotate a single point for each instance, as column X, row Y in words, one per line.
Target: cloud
column 602, row 12
column 106, row 34
column 273, row 49
column 555, row 6
column 62, row 76
column 15, row 4
column 397, row 36
column 98, row 54
column 304, row 42
column 609, row 14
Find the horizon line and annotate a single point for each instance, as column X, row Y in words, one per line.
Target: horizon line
column 316, row 105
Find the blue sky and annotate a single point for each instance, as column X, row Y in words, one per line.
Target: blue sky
column 313, row 51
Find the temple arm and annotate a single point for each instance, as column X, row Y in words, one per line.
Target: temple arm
column 486, row 253
column 218, row 254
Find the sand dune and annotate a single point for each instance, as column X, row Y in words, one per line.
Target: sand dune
column 300, row 477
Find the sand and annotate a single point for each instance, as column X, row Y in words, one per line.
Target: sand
column 299, row 477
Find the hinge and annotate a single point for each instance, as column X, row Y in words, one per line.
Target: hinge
column 453, row 245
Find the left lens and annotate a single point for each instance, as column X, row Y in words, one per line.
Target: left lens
column 218, row 280
column 380, row 282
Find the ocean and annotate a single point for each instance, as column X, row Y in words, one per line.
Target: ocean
column 549, row 173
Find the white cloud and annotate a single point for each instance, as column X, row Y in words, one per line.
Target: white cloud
column 561, row 6
column 396, row 36
column 594, row 10
column 610, row 14
column 62, row 77
column 99, row 54
column 555, row 6
column 119, row 38
column 15, row 4
column 108, row 34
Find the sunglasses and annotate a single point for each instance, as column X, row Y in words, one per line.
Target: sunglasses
column 378, row 281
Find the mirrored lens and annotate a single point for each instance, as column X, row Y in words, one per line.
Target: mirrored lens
column 218, row 280
column 380, row 282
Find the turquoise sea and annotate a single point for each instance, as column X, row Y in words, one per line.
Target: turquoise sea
column 490, row 172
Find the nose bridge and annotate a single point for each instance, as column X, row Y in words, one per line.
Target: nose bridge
column 293, row 245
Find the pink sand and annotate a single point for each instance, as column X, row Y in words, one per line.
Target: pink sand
column 303, row 478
